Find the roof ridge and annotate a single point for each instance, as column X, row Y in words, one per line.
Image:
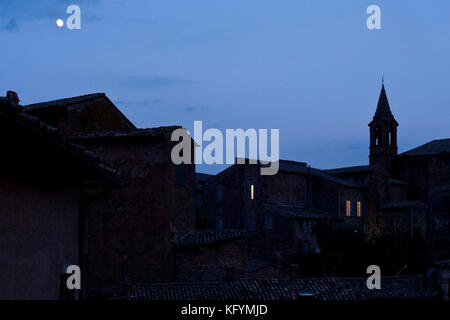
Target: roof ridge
column 99, row 94
column 434, row 146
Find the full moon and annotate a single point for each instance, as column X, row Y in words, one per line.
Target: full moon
column 59, row 23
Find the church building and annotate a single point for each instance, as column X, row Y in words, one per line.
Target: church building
column 405, row 193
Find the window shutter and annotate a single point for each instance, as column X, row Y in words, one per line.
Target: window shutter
column 354, row 209
column 363, row 208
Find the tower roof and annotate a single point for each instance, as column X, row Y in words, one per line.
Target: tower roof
column 383, row 111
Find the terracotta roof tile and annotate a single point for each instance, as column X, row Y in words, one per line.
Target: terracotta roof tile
column 65, row 102
column 323, row 289
column 14, row 112
column 148, row 132
column 202, row 237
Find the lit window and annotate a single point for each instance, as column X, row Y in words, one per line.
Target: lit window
column 348, row 208
column 252, row 192
column 358, row 208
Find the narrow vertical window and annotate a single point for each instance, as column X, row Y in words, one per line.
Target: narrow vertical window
column 348, row 208
column 219, row 193
column 252, row 192
column 268, row 222
column 397, row 225
column 252, row 223
column 306, row 226
column 358, row 208
column 220, row 223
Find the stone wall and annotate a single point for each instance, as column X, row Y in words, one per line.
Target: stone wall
column 217, row 261
column 131, row 230
column 39, row 235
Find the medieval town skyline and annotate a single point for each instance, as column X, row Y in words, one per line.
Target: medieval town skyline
column 113, row 115
column 317, row 61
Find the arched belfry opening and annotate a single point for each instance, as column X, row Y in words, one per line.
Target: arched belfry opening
column 378, row 136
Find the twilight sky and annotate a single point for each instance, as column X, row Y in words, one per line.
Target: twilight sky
column 309, row 68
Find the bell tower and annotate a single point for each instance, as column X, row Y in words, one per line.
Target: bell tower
column 383, row 134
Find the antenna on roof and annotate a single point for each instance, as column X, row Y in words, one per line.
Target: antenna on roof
column 382, row 81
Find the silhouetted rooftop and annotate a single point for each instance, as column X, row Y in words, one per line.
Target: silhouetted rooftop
column 202, row 177
column 300, row 167
column 403, row 204
column 148, row 132
column 297, row 212
column 13, row 112
column 432, row 147
column 396, row 181
column 65, row 101
column 202, row 237
column 79, row 101
column 350, row 170
column 322, row 289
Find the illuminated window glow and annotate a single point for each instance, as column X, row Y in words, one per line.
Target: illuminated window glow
column 358, row 208
column 348, row 208
column 252, row 193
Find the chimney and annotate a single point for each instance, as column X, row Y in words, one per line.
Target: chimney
column 12, row 96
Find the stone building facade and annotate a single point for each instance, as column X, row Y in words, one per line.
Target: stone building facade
column 44, row 182
column 408, row 193
column 211, row 255
column 405, row 194
column 280, row 211
column 130, row 231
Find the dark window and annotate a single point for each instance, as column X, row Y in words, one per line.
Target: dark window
column 219, row 193
column 354, row 208
column 250, row 223
column 268, row 222
column 306, row 247
column 445, row 201
column 378, row 136
column 306, row 225
column 219, row 223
